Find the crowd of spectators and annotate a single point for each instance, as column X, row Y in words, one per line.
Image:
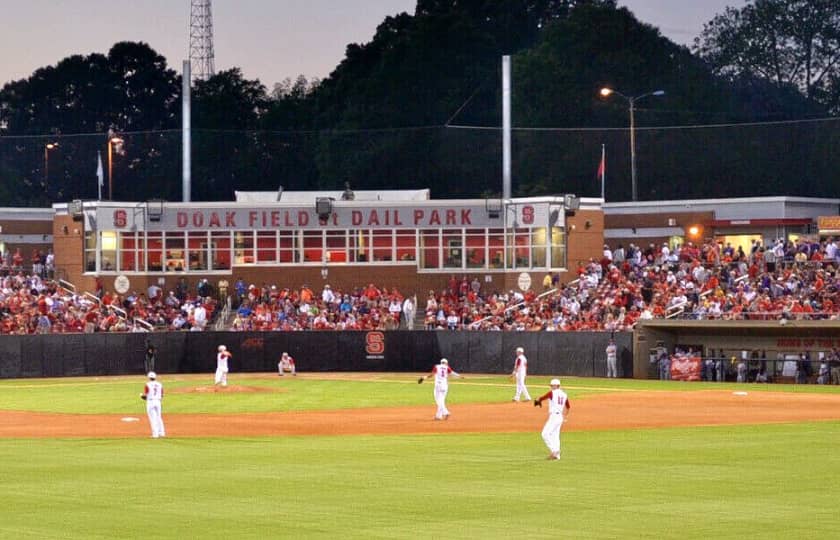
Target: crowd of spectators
column 30, row 304
column 788, row 280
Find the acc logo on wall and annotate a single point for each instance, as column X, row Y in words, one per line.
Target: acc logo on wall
column 375, row 345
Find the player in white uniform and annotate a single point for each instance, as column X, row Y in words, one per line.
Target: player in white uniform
column 441, row 373
column 558, row 409
column 612, row 354
column 153, row 395
column 286, row 363
column 520, row 370
column 222, row 365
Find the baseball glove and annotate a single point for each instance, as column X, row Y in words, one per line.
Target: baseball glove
column 420, row 380
column 538, row 403
column 143, row 397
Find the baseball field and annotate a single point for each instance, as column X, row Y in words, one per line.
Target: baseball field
column 346, row 455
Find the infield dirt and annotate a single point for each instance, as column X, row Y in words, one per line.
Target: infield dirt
column 610, row 411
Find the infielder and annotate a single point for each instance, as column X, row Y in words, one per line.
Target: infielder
column 153, row 395
column 286, row 363
column 612, row 354
column 558, row 409
column 520, row 370
column 441, row 373
column 222, row 365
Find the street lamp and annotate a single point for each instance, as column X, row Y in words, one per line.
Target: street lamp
column 47, row 148
column 607, row 92
column 111, row 143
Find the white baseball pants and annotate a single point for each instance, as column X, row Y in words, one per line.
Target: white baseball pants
column 551, row 432
column 440, row 401
column 153, row 411
column 520, row 387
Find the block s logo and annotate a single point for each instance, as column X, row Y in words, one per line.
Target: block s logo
column 120, row 218
column 375, row 343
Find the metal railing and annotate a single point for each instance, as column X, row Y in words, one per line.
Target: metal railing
column 221, row 322
column 511, row 308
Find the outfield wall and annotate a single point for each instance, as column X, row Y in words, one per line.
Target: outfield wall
column 549, row 353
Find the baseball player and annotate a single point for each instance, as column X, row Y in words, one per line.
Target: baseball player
column 286, row 363
column 520, row 369
column 441, row 373
column 222, row 365
column 153, row 395
column 612, row 354
column 558, row 409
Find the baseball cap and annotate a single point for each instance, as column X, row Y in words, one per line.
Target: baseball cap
column 444, row 361
column 152, row 375
column 555, row 382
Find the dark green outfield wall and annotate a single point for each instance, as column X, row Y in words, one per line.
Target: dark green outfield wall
column 549, row 353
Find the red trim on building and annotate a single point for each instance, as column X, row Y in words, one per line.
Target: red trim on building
column 757, row 222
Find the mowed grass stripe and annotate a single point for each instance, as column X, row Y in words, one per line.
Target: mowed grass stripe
column 719, row 482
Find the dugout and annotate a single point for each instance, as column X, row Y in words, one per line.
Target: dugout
column 779, row 341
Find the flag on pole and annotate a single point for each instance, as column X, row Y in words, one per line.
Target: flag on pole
column 100, row 175
column 602, row 169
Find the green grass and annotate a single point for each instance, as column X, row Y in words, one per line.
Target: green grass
column 119, row 394
column 724, row 482
column 768, row 481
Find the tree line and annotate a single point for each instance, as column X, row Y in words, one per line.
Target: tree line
column 420, row 106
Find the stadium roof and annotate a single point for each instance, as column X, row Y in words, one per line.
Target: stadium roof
column 309, row 196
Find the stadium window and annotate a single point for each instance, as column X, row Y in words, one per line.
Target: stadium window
column 267, row 247
column 430, row 248
column 243, row 247
column 453, row 242
column 475, row 245
column 174, row 249
column 197, row 251
column 220, row 250
column 288, row 244
column 495, row 247
column 337, row 246
column 406, row 243
column 154, row 251
column 313, row 246
column 128, row 243
column 383, row 245
column 558, row 247
column 539, row 240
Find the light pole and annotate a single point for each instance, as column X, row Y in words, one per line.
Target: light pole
column 47, row 148
column 607, row 92
column 111, row 142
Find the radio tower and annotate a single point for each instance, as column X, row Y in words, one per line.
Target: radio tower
column 201, row 40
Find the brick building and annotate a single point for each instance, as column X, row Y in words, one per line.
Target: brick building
column 26, row 229
column 738, row 221
column 391, row 238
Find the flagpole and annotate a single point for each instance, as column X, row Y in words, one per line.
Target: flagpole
column 603, row 170
column 99, row 173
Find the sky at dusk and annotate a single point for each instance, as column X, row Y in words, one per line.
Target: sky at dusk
column 269, row 39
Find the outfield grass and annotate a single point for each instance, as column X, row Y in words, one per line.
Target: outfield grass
column 716, row 482
column 768, row 481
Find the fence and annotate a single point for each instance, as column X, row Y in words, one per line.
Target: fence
column 549, row 353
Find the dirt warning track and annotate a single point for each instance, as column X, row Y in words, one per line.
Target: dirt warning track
column 625, row 410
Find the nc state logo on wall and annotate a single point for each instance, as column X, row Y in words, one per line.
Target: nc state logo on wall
column 375, row 344
column 120, row 218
